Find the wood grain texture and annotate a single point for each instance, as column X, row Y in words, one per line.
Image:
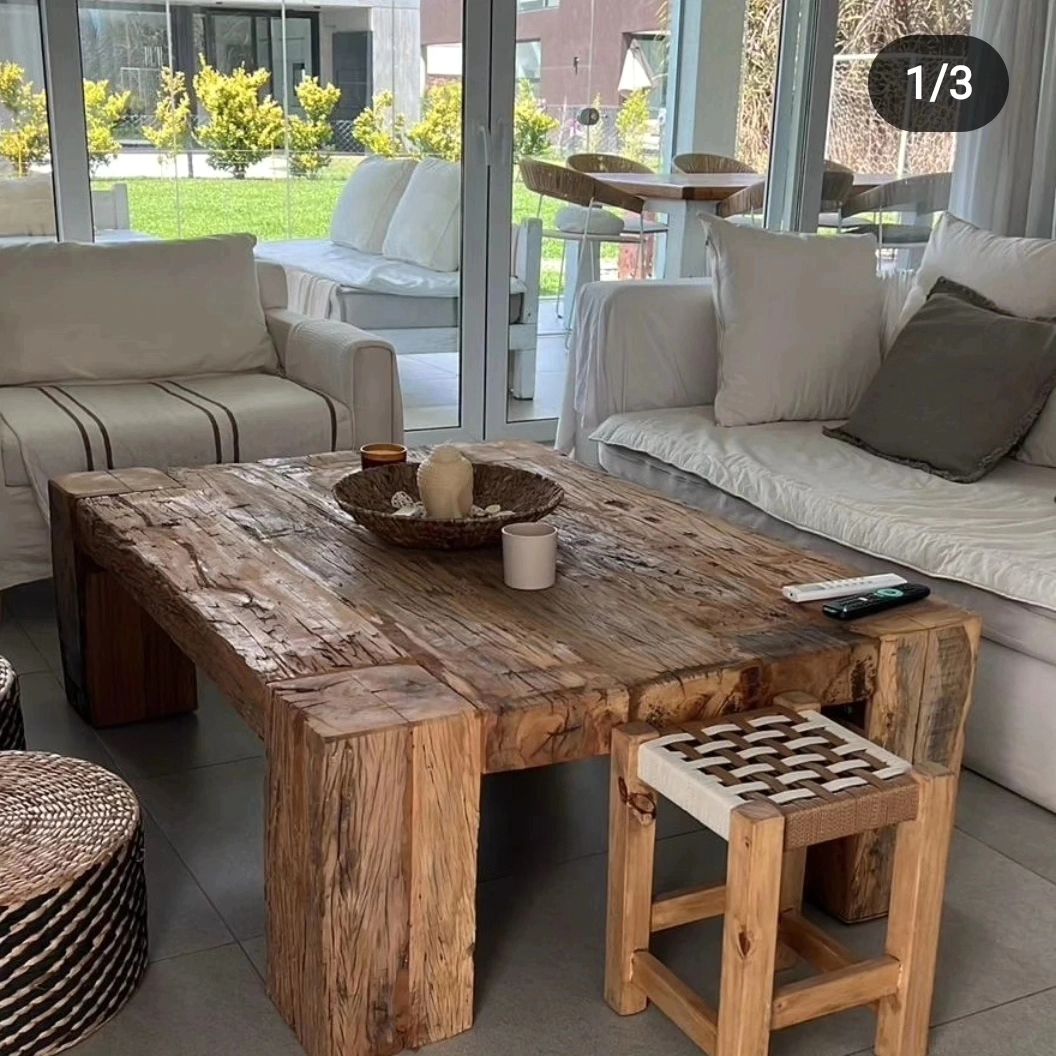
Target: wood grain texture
column 850, row 987
column 921, row 857
column 749, row 938
column 381, row 674
column 681, row 1004
column 371, row 852
column 632, row 842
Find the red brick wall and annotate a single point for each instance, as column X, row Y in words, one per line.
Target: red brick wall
column 565, row 33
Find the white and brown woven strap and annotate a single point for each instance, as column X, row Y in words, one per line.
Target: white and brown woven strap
column 12, row 730
column 73, row 923
column 826, row 779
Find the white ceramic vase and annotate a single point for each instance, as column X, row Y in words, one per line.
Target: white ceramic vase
column 445, row 483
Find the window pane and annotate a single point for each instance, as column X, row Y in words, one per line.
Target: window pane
column 27, row 203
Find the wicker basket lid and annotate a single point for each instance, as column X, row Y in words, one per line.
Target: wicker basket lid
column 7, row 677
column 59, row 817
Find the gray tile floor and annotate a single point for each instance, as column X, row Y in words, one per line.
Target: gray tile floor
column 540, row 949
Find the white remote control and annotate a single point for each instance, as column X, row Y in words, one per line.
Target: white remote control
column 801, row 593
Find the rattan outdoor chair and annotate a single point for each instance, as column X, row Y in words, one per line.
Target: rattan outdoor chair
column 605, row 163
column 912, row 199
column 710, row 163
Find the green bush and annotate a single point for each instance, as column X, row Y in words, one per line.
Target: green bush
column 245, row 124
column 632, row 124
column 439, row 133
column 532, row 125
column 25, row 141
column 309, row 136
column 376, row 129
column 103, row 111
column 171, row 130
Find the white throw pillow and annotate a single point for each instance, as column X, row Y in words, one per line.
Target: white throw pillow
column 1019, row 274
column 127, row 311
column 364, row 210
column 798, row 320
column 426, row 228
column 27, row 205
column 572, row 219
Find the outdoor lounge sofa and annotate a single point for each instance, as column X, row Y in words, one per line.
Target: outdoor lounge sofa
column 391, row 264
column 165, row 354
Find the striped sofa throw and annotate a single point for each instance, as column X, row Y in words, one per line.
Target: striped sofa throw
column 67, row 427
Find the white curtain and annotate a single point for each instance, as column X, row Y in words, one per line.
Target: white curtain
column 1004, row 177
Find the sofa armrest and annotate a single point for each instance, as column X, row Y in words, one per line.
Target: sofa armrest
column 637, row 346
column 347, row 364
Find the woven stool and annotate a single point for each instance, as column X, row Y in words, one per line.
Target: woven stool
column 773, row 783
column 12, row 732
column 73, row 917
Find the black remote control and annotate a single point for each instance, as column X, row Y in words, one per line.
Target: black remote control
column 877, row 601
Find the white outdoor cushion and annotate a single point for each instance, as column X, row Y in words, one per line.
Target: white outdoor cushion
column 426, row 227
column 1017, row 274
column 575, row 219
column 998, row 534
column 27, row 205
column 66, row 428
column 368, row 201
column 131, row 310
column 798, row 323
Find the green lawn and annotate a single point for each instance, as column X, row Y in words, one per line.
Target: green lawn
column 279, row 209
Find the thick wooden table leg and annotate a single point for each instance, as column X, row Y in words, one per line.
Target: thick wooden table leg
column 924, row 680
column 371, row 862
column 119, row 665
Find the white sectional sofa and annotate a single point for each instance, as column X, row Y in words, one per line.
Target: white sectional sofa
column 643, row 376
column 392, row 263
column 165, row 354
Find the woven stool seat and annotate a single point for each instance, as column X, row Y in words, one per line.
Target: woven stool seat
column 823, row 777
column 73, row 928
column 12, row 732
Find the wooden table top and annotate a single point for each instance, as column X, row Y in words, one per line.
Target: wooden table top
column 704, row 187
column 659, row 612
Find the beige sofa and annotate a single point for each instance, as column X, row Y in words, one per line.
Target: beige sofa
column 165, row 354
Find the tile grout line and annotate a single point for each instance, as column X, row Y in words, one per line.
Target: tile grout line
column 1006, row 856
column 969, row 1015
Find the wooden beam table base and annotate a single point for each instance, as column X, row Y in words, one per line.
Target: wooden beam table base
column 385, row 682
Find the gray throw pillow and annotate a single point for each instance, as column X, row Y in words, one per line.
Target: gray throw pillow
column 960, row 388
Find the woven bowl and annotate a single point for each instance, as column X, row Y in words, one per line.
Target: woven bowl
column 367, row 497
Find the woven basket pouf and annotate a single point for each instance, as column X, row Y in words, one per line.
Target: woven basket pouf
column 73, row 905
column 12, row 732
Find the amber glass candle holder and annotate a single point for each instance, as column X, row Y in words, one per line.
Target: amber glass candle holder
column 371, row 456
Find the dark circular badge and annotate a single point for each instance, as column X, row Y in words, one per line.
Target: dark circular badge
column 938, row 83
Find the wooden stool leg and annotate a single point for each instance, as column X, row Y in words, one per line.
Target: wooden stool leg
column 921, row 853
column 792, row 876
column 632, row 840
column 749, row 942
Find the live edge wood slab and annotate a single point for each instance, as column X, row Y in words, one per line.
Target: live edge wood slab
column 385, row 682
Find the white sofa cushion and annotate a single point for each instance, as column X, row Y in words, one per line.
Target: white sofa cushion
column 791, row 471
column 799, row 321
column 66, row 428
column 575, row 219
column 1017, row 274
column 131, row 310
column 426, row 227
column 27, row 205
column 368, row 201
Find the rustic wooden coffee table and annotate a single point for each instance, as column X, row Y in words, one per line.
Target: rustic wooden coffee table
column 385, row 682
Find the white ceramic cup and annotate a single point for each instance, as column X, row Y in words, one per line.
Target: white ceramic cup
column 529, row 555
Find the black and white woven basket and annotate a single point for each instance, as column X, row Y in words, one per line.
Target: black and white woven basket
column 73, row 906
column 12, row 732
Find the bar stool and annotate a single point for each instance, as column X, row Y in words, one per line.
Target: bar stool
column 772, row 783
